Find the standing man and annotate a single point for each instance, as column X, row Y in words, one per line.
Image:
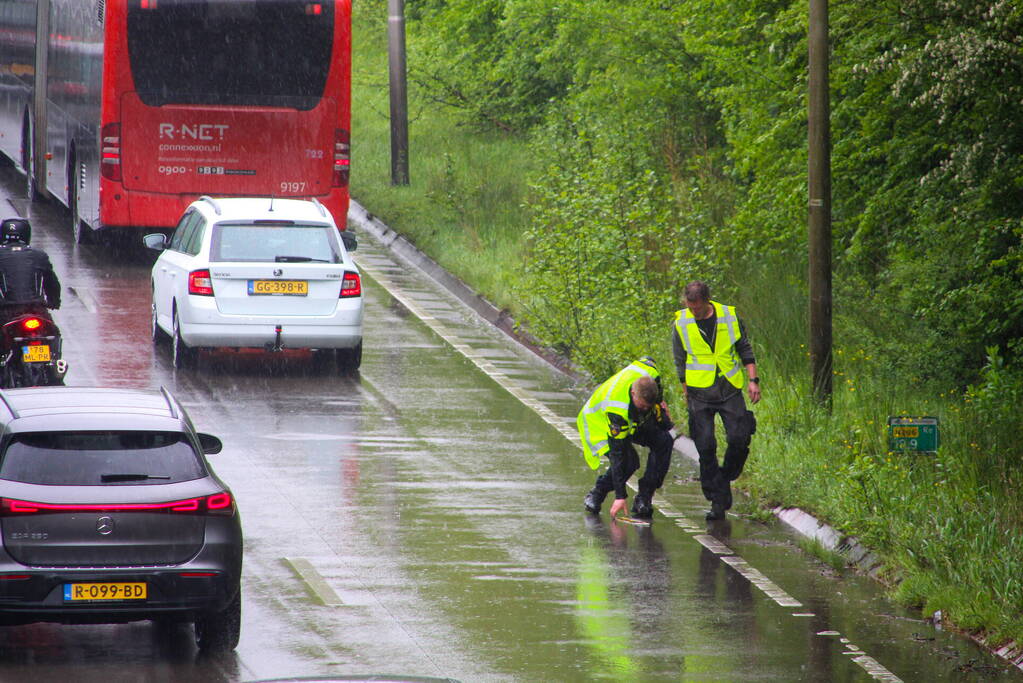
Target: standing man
column 710, row 346
column 628, row 408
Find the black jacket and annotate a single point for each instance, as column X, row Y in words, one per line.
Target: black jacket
column 27, row 277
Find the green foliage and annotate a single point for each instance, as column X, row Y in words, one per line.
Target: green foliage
column 603, row 250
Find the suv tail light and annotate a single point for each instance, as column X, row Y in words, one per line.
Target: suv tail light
column 342, row 158
column 200, row 283
column 110, row 165
column 216, row 504
column 351, row 285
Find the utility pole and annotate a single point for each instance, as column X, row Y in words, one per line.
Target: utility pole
column 399, row 97
column 819, row 214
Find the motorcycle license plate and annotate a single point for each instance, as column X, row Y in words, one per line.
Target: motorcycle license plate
column 104, row 591
column 278, row 287
column 39, row 353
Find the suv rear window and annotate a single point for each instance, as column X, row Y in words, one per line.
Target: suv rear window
column 274, row 243
column 100, row 458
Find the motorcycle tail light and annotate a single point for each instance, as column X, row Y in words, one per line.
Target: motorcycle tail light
column 32, row 324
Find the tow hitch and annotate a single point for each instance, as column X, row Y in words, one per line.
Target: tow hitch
column 276, row 345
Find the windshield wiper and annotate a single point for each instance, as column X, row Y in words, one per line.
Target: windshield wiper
column 131, row 477
column 299, row 259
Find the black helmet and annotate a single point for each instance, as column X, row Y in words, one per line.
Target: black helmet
column 15, row 230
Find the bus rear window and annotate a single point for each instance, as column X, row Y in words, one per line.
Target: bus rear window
column 230, row 52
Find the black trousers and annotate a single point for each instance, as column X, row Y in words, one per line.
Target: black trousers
column 715, row 479
column 658, row 461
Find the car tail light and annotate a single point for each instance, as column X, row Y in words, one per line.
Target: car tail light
column 110, row 165
column 216, row 504
column 351, row 285
column 342, row 158
column 200, row 283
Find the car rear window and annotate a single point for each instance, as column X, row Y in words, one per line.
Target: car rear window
column 100, row 458
column 274, row 243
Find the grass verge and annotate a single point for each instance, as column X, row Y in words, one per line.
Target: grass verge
column 463, row 206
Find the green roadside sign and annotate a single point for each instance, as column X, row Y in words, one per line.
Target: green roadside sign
column 919, row 434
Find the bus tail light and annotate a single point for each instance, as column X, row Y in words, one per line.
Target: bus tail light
column 200, row 283
column 351, row 285
column 111, row 153
column 342, row 158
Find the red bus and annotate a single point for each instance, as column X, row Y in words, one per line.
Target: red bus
column 128, row 110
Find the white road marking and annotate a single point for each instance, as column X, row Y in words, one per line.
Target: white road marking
column 316, row 584
column 86, row 297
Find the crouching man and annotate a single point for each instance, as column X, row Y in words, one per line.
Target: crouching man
column 627, row 409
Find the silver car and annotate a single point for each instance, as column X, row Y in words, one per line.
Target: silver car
column 259, row 273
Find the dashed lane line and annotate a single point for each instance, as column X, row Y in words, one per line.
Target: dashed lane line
column 85, row 296
column 317, row 585
column 566, row 427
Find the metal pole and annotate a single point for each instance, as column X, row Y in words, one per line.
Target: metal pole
column 819, row 180
column 399, row 97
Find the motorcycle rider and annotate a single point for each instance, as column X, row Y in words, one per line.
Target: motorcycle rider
column 27, row 281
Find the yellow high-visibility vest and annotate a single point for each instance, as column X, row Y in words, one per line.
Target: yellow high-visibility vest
column 610, row 397
column 701, row 360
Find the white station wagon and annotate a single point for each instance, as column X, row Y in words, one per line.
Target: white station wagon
column 257, row 273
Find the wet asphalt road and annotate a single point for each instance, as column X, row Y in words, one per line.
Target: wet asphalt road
column 421, row 519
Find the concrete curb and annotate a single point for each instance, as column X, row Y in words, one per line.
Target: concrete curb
column 798, row 520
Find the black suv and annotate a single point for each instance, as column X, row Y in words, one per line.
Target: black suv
column 110, row 512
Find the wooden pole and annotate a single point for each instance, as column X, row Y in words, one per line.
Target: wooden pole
column 398, row 92
column 819, row 209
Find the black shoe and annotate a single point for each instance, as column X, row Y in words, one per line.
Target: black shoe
column 592, row 502
column 641, row 508
column 716, row 512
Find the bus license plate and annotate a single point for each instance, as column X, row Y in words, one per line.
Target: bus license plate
column 104, row 591
column 39, row 353
column 278, row 287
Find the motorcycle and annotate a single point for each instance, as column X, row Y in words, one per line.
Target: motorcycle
column 30, row 352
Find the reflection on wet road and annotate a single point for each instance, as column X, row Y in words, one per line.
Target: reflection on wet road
column 421, row 519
